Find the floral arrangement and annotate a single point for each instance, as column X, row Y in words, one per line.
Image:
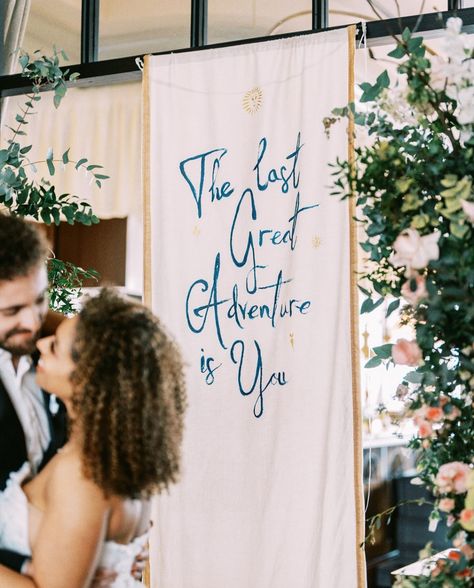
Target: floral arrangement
column 413, row 186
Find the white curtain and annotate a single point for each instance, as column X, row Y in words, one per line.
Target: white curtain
column 242, row 224
column 102, row 124
column 14, row 16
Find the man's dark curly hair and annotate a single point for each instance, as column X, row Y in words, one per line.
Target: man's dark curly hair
column 129, row 397
column 22, row 247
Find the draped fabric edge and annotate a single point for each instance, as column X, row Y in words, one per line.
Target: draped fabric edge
column 355, row 351
column 146, row 220
column 146, row 185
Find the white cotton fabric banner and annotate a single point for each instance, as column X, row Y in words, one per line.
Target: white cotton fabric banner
column 250, row 271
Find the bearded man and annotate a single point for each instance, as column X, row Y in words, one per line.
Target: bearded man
column 32, row 423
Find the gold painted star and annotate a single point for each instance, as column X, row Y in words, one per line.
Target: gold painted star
column 292, row 340
column 316, row 241
column 196, row 231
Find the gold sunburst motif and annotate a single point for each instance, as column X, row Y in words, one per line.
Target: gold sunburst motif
column 252, row 100
column 196, row 231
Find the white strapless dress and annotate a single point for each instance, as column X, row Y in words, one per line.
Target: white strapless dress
column 14, row 533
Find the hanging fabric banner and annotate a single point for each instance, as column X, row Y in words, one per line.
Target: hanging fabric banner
column 248, row 265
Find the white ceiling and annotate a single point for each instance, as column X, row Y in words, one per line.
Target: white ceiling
column 132, row 28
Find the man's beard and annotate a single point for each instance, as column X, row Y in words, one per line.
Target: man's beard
column 26, row 348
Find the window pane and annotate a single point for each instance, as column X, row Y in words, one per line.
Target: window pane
column 56, row 22
column 343, row 12
column 243, row 19
column 150, row 26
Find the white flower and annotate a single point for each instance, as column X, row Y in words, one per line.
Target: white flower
column 468, row 208
column 438, row 75
column 414, row 251
column 454, row 25
column 465, row 101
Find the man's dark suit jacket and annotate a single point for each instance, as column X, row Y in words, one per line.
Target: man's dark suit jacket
column 13, row 452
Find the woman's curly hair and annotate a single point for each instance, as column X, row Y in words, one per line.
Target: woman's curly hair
column 129, row 397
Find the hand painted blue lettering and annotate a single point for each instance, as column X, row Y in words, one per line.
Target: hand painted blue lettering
column 196, row 178
column 213, row 303
column 208, row 368
column 259, row 383
column 249, row 248
column 273, row 175
column 294, row 219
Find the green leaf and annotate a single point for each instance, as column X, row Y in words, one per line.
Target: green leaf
column 414, row 43
column 378, row 303
column 66, row 156
column 74, row 76
column 367, row 306
column 93, row 166
column 406, row 35
column 414, row 377
column 383, row 351
column 51, row 168
column 392, row 307
column 398, row 52
column 383, row 80
column 46, row 216
column 24, row 59
column 374, row 362
column 363, row 290
column 26, row 149
column 56, row 216
column 81, row 162
column 4, row 155
column 101, row 177
column 458, row 231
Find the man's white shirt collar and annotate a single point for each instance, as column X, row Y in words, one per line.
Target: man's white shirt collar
column 28, row 401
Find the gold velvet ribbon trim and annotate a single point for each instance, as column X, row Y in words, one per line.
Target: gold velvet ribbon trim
column 355, row 351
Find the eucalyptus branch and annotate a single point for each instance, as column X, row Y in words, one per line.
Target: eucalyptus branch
column 375, row 522
column 39, row 199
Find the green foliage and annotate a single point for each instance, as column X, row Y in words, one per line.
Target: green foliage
column 25, row 195
column 416, row 175
column 65, row 283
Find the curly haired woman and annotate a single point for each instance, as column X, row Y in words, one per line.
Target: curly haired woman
column 120, row 377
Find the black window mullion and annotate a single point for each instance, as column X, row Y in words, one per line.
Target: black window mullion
column 320, row 14
column 198, row 23
column 454, row 4
column 90, row 31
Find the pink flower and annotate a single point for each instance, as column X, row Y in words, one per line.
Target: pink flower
column 406, row 352
column 412, row 250
column 467, row 519
column 424, row 427
column 413, row 296
column 446, row 504
column 468, row 208
column 434, row 413
column 452, row 477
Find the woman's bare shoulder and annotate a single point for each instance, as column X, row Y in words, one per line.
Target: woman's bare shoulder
column 67, row 481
